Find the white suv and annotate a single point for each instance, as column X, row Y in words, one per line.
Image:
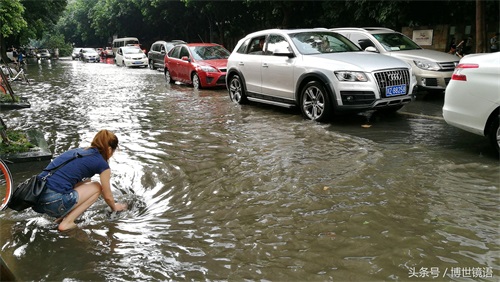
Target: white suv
column 318, row 70
column 433, row 69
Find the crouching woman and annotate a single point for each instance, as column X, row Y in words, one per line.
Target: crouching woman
column 69, row 191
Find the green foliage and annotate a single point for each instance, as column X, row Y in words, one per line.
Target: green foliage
column 6, row 98
column 19, row 142
column 11, row 17
column 54, row 41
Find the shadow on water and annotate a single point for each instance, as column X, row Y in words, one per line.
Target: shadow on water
column 219, row 191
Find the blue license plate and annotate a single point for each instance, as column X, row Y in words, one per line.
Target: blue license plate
column 395, row 90
column 137, row 63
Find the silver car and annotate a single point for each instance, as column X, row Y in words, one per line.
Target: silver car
column 433, row 69
column 317, row 70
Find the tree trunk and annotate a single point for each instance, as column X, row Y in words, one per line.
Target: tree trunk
column 3, row 132
column 480, row 28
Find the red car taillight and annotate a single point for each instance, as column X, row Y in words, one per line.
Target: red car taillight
column 457, row 74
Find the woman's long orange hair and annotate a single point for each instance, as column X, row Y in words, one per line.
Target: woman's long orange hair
column 103, row 140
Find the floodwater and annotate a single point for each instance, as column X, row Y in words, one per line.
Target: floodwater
column 222, row 192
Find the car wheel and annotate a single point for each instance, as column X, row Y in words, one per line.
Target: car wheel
column 315, row 102
column 237, row 90
column 168, row 78
column 494, row 134
column 151, row 65
column 196, row 81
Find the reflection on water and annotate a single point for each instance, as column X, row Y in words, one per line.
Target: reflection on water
column 222, row 192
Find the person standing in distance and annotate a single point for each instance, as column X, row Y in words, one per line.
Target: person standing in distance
column 69, row 190
column 494, row 43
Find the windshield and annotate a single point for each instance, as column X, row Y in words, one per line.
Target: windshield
column 396, row 42
column 319, row 42
column 88, row 50
column 209, row 52
column 132, row 51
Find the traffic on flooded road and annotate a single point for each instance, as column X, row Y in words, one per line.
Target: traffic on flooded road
column 222, row 191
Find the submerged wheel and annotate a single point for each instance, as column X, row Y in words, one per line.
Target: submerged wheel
column 5, row 185
column 196, row 81
column 168, row 78
column 315, row 102
column 237, row 90
column 494, row 134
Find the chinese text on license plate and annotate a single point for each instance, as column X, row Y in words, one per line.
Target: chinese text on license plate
column 395, row 90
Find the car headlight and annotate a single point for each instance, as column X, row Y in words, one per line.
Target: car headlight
column 351, row 76
column 427, row 65
column 38, row 55
column 127, row 57
column 208, row 69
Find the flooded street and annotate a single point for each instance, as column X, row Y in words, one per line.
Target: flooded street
column 221, row 192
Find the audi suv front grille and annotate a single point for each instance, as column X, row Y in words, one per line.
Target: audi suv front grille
column 392, row 78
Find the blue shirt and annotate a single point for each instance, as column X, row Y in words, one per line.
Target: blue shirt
column 66, row 177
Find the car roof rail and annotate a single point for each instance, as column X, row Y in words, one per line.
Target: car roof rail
column 362, row 28
column 347, row 28
column 378, row 28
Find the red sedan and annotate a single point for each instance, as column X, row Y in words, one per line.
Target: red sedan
column 199, row 64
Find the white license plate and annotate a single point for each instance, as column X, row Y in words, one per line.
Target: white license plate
column 395, row 90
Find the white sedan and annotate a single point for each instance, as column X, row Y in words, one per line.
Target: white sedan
column 131, row 56
column 472, row 98
column 89, row 55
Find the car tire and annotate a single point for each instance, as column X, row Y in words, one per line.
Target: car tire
column 494, row 134
column 315, row 102
column 168, row 77
column 151, row 65
column 237, row 90
column 195, row 79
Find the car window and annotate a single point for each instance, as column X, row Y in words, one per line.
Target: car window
column 361, row 40
column 396, row 42
column 184, row 53
column 257, row 45
column 318, row 42
column 209, row 52
column 243, row 47
column 132, row 51
column 174, row 53
column 170, row 46
column 276, row 41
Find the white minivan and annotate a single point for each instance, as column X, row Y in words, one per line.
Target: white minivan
column 125, row 41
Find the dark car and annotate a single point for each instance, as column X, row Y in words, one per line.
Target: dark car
column 158, row 51
column 199, row 64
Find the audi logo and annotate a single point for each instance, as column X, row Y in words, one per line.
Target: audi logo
column 394, row 76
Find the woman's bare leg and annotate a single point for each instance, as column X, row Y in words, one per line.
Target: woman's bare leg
column 88, row 193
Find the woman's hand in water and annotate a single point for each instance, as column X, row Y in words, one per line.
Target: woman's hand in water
column 120, row 206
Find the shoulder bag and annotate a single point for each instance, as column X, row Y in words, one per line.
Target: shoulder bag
column 27, row 193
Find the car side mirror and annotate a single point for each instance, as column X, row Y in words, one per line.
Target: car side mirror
column 284, row 52
column 371, row 49
column 162, row 52
column 185, row 58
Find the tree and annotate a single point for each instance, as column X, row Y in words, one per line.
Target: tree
column 11, row 22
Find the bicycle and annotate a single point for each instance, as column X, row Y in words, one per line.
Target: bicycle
column 5, row 185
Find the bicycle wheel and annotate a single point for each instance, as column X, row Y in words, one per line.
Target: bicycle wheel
column 5, row 185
